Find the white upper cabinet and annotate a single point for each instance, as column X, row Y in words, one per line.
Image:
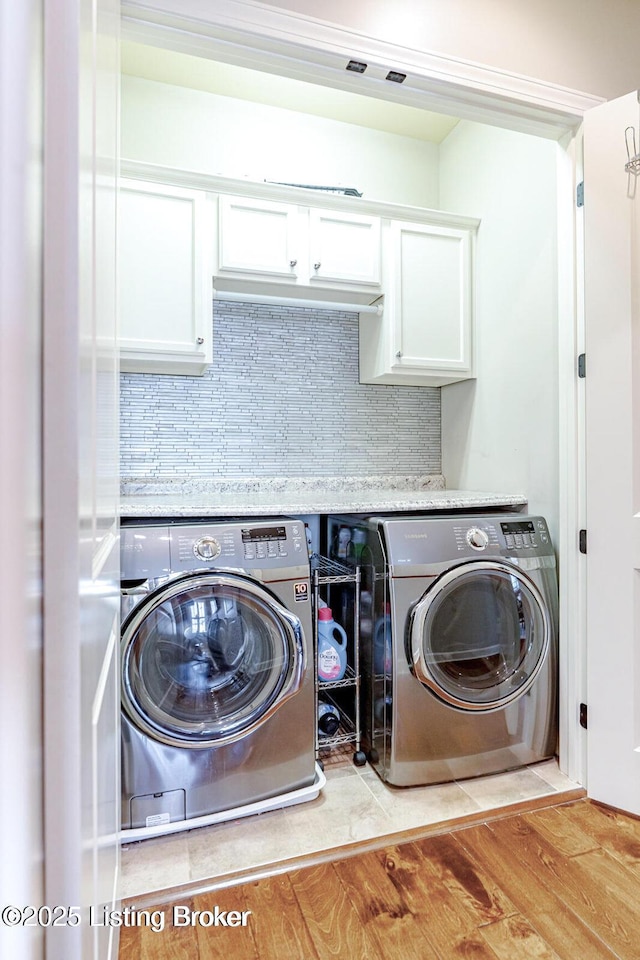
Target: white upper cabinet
column 415, row 264
column 166, row 270
column 261, row 240
column 425, row 333
column 344, row 248
column 258, row 237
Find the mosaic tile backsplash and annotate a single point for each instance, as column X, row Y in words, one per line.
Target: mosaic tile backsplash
column 281, row 399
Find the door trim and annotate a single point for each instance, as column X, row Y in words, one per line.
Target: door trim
column 250, row 34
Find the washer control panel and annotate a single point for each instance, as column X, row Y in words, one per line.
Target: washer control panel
column 258, row 543
column 152, row 550
column 264, row 544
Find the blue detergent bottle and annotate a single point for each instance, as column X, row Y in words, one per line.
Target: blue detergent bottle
column 332, row 647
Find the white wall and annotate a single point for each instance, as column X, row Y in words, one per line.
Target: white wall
column 500, row 432
column 194, row 130
column 587, row 45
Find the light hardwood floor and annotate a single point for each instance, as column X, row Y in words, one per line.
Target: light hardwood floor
column 559, row 883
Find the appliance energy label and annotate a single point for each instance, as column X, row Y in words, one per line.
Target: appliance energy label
column 301, row 591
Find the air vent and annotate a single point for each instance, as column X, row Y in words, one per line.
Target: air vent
column 356, row 66
column 396, row 77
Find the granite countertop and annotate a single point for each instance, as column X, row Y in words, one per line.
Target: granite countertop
column 255, row 497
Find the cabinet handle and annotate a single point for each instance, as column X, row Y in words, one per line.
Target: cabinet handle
column 292, row 263
column 317, row 266
column 200, row 341
column 399, row 354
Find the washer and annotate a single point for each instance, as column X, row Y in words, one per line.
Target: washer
column 217, row 684
column 460, row 664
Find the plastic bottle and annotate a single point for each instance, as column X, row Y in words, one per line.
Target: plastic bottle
column 328, row 719
column 366, row 613
column 342, row 542
column 332, row 647
column 359, row 538
column 382, row 642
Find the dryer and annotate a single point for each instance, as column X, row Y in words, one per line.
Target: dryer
column 460, row 664
column 218, row 708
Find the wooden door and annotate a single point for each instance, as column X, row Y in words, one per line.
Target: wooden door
column 612, row 315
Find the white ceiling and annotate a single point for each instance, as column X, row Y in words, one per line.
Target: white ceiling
column 183, row 70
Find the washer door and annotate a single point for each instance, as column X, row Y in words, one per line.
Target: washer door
column 209, row 658
column 479, row 635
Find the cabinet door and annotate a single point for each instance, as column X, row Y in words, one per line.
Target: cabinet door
column 258, row 237
column 425, row 334
column 344, row 248
column 165, row 279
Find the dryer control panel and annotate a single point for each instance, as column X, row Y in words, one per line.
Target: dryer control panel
column 525, row 534
column 422, row 541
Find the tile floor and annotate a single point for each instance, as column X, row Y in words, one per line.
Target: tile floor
column 355, row 805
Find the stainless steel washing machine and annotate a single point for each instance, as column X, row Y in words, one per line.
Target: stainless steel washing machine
column 217, row 670
column 460, row 661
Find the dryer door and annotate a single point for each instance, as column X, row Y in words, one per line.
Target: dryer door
column 479, row 635
column 208, row 658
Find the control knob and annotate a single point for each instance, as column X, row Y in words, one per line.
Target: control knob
column 207, row 548
column 477, row 538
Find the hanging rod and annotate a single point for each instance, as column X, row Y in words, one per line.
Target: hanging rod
column 375, row 308
column 633, row 156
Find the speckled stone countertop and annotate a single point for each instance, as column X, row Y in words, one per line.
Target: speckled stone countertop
column 253, row 497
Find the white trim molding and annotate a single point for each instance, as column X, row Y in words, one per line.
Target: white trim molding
column 252, row 34
column 282, row 193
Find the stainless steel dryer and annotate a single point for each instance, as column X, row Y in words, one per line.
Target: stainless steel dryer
column 460, row 675
column 217, row 673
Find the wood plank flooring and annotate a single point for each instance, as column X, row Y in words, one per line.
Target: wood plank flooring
column 560, row 883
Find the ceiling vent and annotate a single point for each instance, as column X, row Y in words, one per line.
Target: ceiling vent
column 356, row 66
column 395, row 76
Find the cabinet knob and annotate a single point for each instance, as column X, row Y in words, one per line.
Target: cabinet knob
column 200, row 341
column 317, row 265
column 399, row 354
column 292, row 263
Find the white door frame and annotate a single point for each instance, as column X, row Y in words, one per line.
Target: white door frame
column 80, row 482
column 21, row 170
column 246, row 33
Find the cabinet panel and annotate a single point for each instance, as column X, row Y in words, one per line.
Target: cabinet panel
column 425, row 335
column 165, row 279
column 430, row 297
column 261, row 241
column 258, row 236
column 344, row 247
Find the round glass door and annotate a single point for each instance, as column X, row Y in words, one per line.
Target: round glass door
column 479, row 635
column 207, row 659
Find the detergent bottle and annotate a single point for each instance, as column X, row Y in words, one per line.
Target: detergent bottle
column 382, row 642
column 332, row 647
column 328, row 719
